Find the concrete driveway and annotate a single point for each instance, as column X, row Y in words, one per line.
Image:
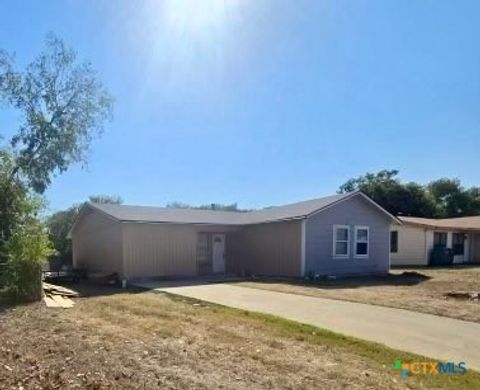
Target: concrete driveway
column 424, row 334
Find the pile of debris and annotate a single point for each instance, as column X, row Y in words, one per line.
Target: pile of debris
column 58, row 296
column 465, row 295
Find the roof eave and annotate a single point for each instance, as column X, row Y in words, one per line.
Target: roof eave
column 437, row 227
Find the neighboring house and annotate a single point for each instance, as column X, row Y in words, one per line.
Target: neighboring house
column 413, row 241
column 345, row 234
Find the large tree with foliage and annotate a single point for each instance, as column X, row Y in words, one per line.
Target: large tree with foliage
column 59, row 224
column 62, row 107
column 452, row 199
column 441, row 198
column 386, row 189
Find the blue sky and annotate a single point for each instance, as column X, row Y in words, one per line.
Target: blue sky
column 265, row 102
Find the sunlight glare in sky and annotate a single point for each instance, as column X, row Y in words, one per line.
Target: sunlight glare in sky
column 196, row 16
column 185, row 41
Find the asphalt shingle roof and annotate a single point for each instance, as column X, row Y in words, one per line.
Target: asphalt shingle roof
column 171, row 215
column 462, row 223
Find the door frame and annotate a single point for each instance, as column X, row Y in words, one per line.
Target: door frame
column 224, row 265
column 460, row 259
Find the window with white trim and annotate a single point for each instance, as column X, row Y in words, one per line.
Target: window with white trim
column 341, row 241
column 362, row 238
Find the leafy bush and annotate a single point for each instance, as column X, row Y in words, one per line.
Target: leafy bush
column 28, row 249
column 24, row 280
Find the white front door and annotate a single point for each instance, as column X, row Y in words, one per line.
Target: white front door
column 218, row 253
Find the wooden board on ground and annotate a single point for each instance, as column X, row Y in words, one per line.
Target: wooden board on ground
column 63, row 302
column 58, row 296
column 58, row 290
column 49, row 302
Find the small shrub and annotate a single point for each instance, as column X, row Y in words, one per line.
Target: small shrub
column 27, row 249
column 24, row 280
column 3, row 270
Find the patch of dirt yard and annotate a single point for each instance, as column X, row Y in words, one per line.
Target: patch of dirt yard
column 147, row 340
column 420, row 290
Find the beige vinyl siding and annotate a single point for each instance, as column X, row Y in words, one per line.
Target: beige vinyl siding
column 266, row 249
column 159, row 250
column 167, row 250
column 97, row 244
column 412, row 243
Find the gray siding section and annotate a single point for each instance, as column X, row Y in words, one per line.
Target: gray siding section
column 319, row 239
column 476, row 249
column 266, row 249
column 97, row 244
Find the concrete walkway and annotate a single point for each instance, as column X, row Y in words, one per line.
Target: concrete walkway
column 424, row 334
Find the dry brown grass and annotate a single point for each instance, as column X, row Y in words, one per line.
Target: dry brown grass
column 424, row 294
column 147, row 340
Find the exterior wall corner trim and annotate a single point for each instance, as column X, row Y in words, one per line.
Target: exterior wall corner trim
column 303, row 253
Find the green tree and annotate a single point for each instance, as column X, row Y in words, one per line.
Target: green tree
column 60, row 223
column 452, row 199
column 105, row 199
column 386, row 189
column 442, row 198
column 474, row 195
column 178, row 205
column 24, row 242
column 211, row 206
column 27, row 249
column 63, row 106
column 221, row 207
column 12, row 202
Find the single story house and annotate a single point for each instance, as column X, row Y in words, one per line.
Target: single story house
column 413, row 240
column 344, row 234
